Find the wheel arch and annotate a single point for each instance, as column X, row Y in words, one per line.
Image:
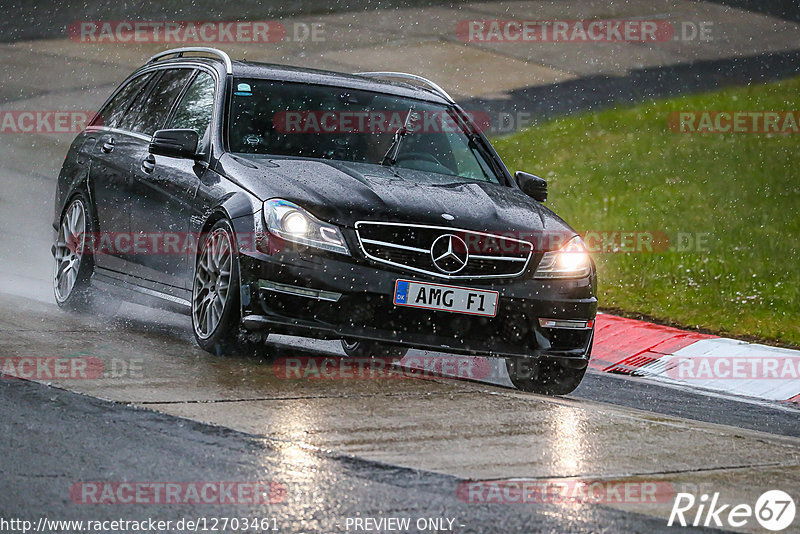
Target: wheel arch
column 241, row 209
column 80, row 189
column 73, row 178
column 243, row 212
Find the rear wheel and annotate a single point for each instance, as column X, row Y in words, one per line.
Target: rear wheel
column 73, row 268
column 544, row 376
column 356, row 348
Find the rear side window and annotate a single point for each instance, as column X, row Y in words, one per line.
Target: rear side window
column 112, row 114
column 149, row 115
column 196, row 108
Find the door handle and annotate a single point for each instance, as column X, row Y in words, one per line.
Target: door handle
column 148, row 164
column 108, row 145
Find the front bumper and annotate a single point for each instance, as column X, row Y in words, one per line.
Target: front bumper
column 316, row 294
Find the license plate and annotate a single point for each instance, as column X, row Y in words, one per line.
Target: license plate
column 446, row 298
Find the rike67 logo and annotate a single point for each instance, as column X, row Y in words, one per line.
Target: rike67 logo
column 774, row 510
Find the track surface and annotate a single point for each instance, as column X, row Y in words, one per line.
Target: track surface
column 389, row 447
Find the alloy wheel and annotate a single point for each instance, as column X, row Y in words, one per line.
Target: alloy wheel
column 212, row 282
column 69, row 250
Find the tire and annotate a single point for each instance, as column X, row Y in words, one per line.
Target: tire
column 216, row 315
column 543, row 376
column 73, row 267
column 356, row 348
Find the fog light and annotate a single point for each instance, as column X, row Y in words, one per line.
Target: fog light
column 570, row 324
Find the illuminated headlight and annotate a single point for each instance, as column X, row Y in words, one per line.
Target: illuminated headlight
column 289, row 221
column 571, row 261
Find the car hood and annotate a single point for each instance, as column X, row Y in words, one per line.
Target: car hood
column 344, row 193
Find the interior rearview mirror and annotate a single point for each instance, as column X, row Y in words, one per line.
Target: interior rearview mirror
column 532, row 185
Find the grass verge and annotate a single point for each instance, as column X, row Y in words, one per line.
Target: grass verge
column 624, row 170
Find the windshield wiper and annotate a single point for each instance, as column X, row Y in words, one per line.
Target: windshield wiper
column 391, row 155
column 477, row 145
column 479, row 155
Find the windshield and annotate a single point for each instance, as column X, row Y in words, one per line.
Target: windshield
column 312, row 121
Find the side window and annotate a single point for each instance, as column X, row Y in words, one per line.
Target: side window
column 196, row 108
column 150, row 115
column 112, row 114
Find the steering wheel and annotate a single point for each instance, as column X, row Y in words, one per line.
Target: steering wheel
column 418, row 155
column 423, row 156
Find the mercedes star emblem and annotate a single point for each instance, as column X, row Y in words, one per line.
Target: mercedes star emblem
column 449, row 253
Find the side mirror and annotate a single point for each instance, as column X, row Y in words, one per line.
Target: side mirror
column 532, row 185
column 175, row 143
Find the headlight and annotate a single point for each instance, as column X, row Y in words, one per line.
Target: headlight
column 571, row 261
column 292, row 223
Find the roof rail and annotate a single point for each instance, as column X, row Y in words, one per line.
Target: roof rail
column 178, row 52
column 409, row 77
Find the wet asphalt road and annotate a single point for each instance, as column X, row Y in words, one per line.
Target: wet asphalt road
column 53, row 438
column 348, row 448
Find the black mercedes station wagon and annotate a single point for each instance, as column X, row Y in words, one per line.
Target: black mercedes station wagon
column 363, row 207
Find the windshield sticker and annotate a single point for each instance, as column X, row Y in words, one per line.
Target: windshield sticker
column 243, row 89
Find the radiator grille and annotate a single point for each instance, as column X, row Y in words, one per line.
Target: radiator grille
column 474, row 254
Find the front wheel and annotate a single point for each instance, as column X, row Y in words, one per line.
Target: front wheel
column 356, row 348
column 543, row 376
column 215, row 291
